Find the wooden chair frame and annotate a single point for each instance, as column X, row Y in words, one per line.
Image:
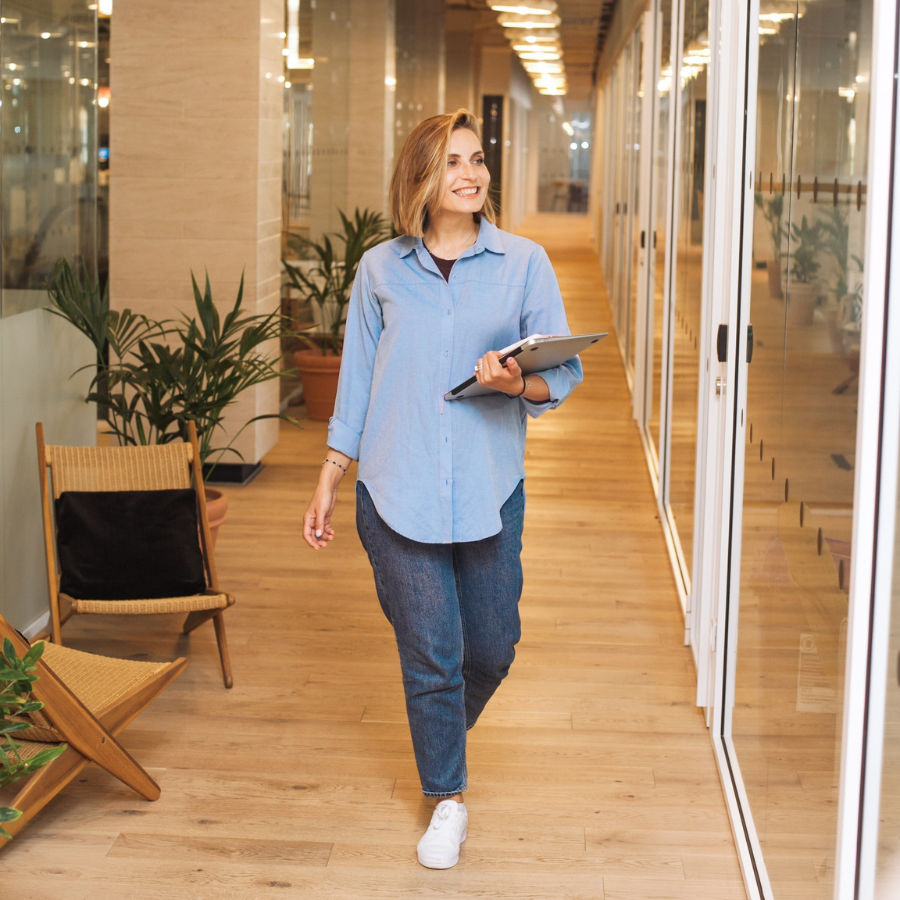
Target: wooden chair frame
column 91, row 737
column 63, row 607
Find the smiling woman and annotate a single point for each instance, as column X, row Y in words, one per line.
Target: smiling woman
column 440, row 490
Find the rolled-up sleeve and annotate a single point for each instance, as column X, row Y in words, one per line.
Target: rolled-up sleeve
column 543, row 312
column 363, row 329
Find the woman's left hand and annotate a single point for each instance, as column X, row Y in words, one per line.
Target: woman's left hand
column 490, row 373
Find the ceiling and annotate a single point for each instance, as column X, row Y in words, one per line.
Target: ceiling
column 582, row 32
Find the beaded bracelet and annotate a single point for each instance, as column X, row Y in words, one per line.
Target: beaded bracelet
column 334, row 463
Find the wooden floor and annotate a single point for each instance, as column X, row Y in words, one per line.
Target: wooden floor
column 591, row 772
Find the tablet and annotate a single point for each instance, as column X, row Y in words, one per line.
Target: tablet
column 536, row 353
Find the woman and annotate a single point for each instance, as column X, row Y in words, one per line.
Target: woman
column 440, row 497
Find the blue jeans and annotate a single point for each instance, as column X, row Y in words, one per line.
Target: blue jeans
column 455, row 613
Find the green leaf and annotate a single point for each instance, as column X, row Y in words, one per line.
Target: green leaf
column 9, row 814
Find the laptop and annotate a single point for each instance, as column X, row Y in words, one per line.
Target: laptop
column 535, row 353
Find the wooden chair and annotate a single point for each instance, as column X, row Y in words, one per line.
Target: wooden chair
column 88, row 700
column 154, row 467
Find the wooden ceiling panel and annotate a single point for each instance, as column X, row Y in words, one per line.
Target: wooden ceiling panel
column 583, row 28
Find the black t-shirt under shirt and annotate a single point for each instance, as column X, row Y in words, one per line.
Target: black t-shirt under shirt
column 444, row 265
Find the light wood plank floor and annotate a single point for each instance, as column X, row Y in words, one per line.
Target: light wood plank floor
column 591, row 772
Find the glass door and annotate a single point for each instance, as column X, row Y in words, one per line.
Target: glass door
column 659, row 218
column 795, row 517
column 687, row 279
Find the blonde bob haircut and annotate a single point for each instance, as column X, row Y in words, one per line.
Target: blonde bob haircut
column 417, row 184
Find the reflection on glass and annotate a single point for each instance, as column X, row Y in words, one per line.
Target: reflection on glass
column 48, row 144
column 658, row 239
column 688, row 272
column 634, row 154
column 887, row 879
column 621, row 248
column 806, row 303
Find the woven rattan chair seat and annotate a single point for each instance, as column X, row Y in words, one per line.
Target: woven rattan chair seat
column 194, row 603
column 97, row 681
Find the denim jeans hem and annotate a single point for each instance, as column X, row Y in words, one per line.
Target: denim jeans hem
column 465, row 787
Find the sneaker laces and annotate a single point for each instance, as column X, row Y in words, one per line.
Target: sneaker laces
column 441, row 814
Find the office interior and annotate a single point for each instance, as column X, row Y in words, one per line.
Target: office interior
column 715, row 185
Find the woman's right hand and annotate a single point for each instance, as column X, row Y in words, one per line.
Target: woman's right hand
column 317, row 530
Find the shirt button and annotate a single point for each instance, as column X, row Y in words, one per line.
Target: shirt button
column 446, row 353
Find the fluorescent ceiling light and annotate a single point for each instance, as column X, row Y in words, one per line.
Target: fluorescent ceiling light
column 534, row 36
column 541, row 56
column 552, row 92
column 105, row 7
column 548, row 47
column 524, row 7
column 531, row 21
column 543, row 68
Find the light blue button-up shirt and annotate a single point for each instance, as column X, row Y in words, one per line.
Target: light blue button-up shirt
column 439, row 471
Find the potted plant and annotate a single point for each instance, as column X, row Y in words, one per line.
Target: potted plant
column 327, row 284
column 835, row 232
column 803, row 289
column 153, row 377
column 16, row 703
column 773, row 212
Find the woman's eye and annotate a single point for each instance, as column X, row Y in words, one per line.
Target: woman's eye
column 479, row 161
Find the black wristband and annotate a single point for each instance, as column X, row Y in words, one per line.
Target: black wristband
column 524, row 387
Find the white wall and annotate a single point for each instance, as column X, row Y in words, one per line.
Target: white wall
column 38, row 354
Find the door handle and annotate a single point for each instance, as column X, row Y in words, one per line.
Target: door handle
column 722, row 343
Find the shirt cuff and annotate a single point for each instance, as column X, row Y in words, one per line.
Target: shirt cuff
column 558, row 383
column 343, row 438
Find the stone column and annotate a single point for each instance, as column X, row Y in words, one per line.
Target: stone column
column 196, row 120
column 353, row 96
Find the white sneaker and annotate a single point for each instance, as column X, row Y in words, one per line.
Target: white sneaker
column 439, row 846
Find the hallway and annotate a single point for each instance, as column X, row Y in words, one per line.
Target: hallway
column 591, row 773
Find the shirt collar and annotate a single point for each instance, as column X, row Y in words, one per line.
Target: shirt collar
column 488, row 239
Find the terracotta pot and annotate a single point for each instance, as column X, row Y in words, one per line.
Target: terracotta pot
column 319, row 375
column 216, row 507
column 801, row 303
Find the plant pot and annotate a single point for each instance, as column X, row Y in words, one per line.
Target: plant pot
column 801, row 303
column 216, row 507
column 319, row 375
column 774, row 272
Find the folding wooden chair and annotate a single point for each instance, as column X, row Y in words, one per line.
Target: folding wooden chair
column 88, row 700
column 144, row 468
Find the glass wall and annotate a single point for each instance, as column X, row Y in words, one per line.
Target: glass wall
column 887, row 877
column 48, row 205
column 659, row 215
column 798, row 493
column 48, row 144
column 688, row 274
column 623, row 97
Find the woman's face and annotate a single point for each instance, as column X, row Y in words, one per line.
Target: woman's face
column 467, row 180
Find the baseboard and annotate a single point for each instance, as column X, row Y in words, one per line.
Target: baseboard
column 231, row 473
column 40, row 624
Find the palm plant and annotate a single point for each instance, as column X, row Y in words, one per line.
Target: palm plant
column 806, row 244
column 835, row 229
column 16, row 703
column 329, row 282
column 153, row 377
column 773, row 212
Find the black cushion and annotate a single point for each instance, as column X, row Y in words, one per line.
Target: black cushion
column 129, row 545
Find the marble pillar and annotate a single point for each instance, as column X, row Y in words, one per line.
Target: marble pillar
column 196, row 159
